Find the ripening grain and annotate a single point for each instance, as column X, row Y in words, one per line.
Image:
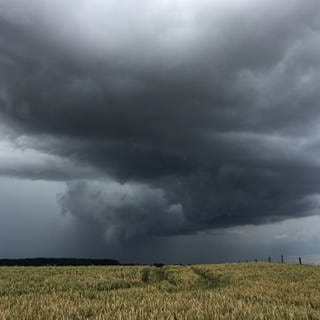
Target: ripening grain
column 229, row 291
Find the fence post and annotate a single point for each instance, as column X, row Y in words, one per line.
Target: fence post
column 282, row 258
column 269, row 259
column 300, row 262
column 256, row 260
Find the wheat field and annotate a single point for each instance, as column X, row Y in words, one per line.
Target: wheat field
column 226, row 291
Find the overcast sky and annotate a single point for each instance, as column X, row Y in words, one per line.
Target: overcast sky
column 175, row 131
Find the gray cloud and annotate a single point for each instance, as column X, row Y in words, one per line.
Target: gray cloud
column 126, row 211
column 200, row 115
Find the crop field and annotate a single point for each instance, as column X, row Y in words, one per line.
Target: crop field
column 228, row 291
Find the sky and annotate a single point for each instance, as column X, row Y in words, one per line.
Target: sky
column 160, row 131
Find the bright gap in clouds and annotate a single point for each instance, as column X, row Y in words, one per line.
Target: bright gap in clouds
column 31, row 221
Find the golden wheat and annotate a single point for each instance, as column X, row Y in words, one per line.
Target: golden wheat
column 228, row 291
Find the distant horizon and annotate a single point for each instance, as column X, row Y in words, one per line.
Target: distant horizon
column 289, row 260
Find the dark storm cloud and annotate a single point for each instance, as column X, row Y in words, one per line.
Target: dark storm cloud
column 126, row 210
column 206, row 113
